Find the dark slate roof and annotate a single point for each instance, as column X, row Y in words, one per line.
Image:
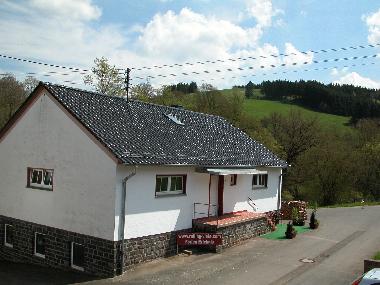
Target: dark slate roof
column 141, row 133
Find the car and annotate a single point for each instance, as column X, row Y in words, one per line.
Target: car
column 372, row 277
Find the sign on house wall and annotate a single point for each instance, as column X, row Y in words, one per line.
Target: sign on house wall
column 199, row 239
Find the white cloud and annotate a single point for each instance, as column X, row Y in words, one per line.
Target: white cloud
column 35, row 29
column 295, row 56
column 356, row 79
column 263, row 11
column 373, row 23
column 191, row 35
column 82, row 10
column 339, row 72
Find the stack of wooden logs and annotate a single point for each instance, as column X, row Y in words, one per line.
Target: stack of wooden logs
column 287, row 208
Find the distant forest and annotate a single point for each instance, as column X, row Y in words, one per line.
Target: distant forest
column 345, row 100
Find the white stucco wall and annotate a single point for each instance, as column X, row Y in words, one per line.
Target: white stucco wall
column 148, row 215
column 84, row 175
column 236, row 197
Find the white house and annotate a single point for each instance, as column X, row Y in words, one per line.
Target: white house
column 80, row 172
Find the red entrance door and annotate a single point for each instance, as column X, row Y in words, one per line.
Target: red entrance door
column 220, row 194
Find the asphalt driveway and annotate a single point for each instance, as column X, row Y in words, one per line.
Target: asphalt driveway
column 346, row 236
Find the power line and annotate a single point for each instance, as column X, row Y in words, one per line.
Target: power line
column 254, row 58
column 262, row 66
column 296, row 71
column 73, row 69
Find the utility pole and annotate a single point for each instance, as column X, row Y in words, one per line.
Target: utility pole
column 126, row 82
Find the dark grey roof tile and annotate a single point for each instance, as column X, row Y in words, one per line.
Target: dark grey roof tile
column 142, row 133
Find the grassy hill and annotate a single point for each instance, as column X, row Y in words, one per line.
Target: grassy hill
column 260, row 108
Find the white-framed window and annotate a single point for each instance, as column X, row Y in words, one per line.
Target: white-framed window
column 40, row 178
column 39, row 245
column 77, row 256
column 170, row 184
column 8, row 235
column 259, row 181
column 233, row 180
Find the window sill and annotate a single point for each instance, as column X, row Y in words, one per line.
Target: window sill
column 77, row 267
column 39, row 255
column 39, row 188
column 170, row 195
column 259, row 188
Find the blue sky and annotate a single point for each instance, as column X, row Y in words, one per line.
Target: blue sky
column 159, row 32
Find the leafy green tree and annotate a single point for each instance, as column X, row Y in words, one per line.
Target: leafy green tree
column 105, row 78
column 249, row 90
column 12, row 94
column 294, row 132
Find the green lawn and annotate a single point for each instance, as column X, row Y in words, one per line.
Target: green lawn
column 279, row 233
column 263, row 108
column 377, row 256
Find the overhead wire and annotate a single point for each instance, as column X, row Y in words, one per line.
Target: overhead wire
column 293, row 64
column 257, row 57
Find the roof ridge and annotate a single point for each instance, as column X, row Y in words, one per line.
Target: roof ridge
column 133, row 100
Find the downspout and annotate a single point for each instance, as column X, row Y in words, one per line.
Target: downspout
column 122, row 222
column 209, row 196
column 279, row 194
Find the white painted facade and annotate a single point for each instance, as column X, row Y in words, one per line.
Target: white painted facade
column 147, row 214
column 84, row 176
column 88, row 183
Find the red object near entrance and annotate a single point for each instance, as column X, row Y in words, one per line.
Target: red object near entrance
column 199, row 239
column 220, row 195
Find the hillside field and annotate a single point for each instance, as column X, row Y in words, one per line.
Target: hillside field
column 260, row 108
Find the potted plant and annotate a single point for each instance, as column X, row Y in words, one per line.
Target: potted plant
column 297, row 218
column 314, row 223
column 290, row 231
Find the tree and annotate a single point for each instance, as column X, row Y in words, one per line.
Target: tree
column 143, row 91
column 105, row 78
column 30, row 83
column 249, row 89
column 294, row 132
column 12, row 94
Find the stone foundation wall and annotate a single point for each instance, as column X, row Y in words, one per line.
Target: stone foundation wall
column 99, row 254
column 147, row 248
column 235, row 233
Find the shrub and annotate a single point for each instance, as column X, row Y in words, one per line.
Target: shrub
column 297, row 218
column 314, row 223
column 290, row 231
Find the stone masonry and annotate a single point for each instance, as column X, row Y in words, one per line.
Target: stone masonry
column 233, row 234
column 99, row 254
column 147, row 248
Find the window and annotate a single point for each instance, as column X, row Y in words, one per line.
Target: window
column 8, row 235
column 77, row 256
column 233, row 179
column 40, row 178
column 170, row 184
column 260, row 181
column 39, row 245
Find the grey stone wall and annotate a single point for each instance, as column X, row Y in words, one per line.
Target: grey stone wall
column 147, row 248
column 100, row 255
column 233, row 234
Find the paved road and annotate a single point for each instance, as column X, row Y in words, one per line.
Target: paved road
column 346, row 236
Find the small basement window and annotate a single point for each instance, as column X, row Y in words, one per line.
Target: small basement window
column 77, row 256
column 170, row 184
column 259, row 181
column 40, row 178
column 39, row 245
column 233, row 179
column 8, row 235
